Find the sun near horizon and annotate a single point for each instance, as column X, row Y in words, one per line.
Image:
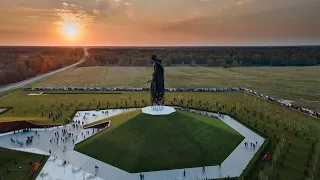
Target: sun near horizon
column 70, row 31
column 160, row 23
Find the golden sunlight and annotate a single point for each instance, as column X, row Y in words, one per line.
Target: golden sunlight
column 71, row 30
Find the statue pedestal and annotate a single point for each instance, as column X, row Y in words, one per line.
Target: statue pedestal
column 158, row 110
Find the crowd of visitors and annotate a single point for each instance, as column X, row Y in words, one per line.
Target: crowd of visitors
column 283, row 103
column 20, row 143
column 28, row 140
column 65, row 136
column 128, row 89
column 60, row 138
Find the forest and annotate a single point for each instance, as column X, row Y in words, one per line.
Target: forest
column 205, row 56
column 20, row 63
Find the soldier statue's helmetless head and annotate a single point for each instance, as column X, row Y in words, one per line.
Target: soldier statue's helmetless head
column 154, row 57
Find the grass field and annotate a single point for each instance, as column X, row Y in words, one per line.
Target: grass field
column 263, row 116
column 7, row 160
column 144, row 142
column 298, row 84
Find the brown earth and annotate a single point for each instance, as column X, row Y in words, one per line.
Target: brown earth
column 19, row 125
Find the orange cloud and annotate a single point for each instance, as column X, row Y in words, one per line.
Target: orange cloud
column 241, row 2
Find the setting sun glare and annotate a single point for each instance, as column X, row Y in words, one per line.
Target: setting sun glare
column 71, row 30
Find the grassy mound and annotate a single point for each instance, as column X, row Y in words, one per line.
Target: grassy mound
column 8, row 158
column 139, row 142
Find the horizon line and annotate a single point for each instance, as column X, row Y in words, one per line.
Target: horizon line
column 1, row 46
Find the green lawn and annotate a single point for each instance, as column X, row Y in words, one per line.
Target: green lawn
column 298, row 84
column 7, row 159
column 249, row 110
column 31, row 108
column 142, row 142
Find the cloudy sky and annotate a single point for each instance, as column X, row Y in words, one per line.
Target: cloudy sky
column 159, row 22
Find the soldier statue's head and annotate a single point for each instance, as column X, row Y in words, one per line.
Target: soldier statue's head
column 154, row 58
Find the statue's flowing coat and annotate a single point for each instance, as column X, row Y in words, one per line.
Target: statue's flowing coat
column 157, row 84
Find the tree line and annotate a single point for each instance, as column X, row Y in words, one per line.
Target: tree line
column 20, row 63
column 206, row 56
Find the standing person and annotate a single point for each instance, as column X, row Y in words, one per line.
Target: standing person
column 96, row 169
column 184, row 173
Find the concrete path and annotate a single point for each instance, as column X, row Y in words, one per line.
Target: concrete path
column 80, row 166
column 88, row 117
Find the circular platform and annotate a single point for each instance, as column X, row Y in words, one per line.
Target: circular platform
column 158, row 110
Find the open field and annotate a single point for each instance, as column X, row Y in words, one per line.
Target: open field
column 298, row 84
column 150, row 143
column 7, row 160
column 264, row 116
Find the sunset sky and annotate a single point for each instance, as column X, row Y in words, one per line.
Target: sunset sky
column 160, row 22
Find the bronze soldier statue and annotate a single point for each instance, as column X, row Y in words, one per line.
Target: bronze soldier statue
column 157, row 83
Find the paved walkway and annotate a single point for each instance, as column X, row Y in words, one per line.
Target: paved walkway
column 88, row 117
column 80, row 166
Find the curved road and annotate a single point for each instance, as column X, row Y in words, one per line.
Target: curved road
column 34, row 79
